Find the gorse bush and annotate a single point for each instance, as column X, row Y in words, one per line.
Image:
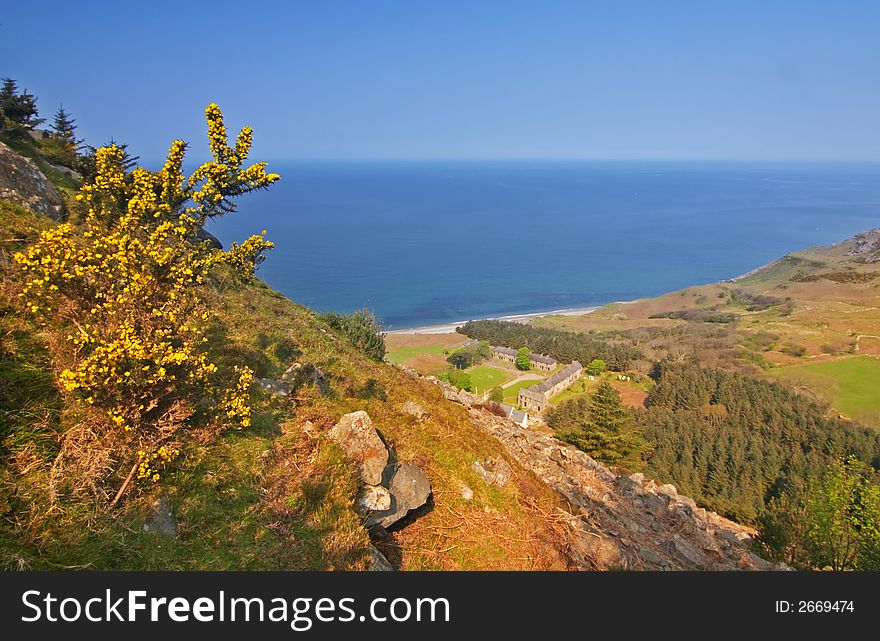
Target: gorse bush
column 126, row 288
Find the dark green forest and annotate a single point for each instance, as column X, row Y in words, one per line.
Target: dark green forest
column 561, row 345
column 734, row 442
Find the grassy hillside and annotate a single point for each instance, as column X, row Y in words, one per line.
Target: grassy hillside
column 277, row 495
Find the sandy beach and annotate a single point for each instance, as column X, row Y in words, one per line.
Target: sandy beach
column 516, row 318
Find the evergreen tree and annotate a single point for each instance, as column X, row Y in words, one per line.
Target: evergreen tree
column 19, row 108
column 65, row 127
column 602, row 428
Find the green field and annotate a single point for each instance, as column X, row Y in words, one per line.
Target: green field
column 851, row 385
column 403, row 354
column 583, row 387
column 510, row 393
column 485, row 378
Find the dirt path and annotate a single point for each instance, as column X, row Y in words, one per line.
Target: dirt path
column 524, row 377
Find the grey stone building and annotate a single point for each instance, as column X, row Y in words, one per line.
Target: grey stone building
column 538, row 361
column 537, row 397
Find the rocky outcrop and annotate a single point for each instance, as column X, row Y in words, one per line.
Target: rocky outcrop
column 391, row 490
column 865, row 245
column 22, row 183
column 409, row 488
column 494, row 471
column 622, row 521
column 415, row 410
column 295, row 376
column 357, row 437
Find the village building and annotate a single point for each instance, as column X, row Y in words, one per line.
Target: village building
column 537, row 361
column 517, row 416
column 537, row 397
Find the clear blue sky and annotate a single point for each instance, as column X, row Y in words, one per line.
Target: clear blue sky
column 464, row 78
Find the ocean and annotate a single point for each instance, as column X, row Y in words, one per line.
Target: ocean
column 425, row 243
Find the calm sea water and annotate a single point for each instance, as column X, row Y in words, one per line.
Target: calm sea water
column 434, row 242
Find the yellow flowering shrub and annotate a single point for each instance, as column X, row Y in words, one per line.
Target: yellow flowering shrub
column 127, row 286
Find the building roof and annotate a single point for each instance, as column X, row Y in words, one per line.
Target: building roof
column 507, row 409
column 540, row 358
column 504, row 350
column 549, row 383
column 518, row 416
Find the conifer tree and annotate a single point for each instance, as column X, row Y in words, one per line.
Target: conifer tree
column 65, row 127
column 604, row 429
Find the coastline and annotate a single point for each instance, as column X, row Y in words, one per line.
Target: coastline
column 449, row 328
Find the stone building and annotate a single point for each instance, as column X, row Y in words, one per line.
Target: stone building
column 537, row 397
column 538, row 361
column 517, row 416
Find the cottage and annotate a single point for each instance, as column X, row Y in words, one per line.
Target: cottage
column 537, row 397
column 517, row 416
column 537, row 361
column 546, row 363
column 504, row 354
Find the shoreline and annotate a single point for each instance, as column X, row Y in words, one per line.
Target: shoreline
column 449, row 328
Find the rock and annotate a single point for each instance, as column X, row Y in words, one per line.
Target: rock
column 684, row 552
column 467, row 493
column 22, row 183
column 556, row 456
column 668, row 490
column 410, row 490
column 414, row 409
column 161, row 520
column 378, row 562
column 495, row 471
column 652, row 557
column 374, row 498
column 291, row 374
column 67, row 171
column 638, row 477
column 357, row 437
column 275, row 386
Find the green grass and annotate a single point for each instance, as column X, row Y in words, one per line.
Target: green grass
column 850, row 385
column 511, row 393
column 582, row 387
column 485, row 377
column 403, row 354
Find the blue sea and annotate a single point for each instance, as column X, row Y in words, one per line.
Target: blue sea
column 426, row 243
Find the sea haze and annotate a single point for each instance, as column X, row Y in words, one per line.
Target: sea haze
column 435, row 242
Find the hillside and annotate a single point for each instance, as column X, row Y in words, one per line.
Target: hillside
column 280, row 493
column 809, row 318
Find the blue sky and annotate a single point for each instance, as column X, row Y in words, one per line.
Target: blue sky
column 736, row 80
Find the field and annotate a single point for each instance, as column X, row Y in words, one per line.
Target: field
column 422, row 352
column 511, row 393
column 485, row 378
column 850, row 385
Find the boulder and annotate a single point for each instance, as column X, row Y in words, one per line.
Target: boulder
column 415, row 410
column 374, row 498
column 494, row 471
column 275, row 386
column 410, row 490
column 652, row 557
column 22, row 183
column 467, row 493
column 291, row 374
column 161, row 520
column 357, row 437
column 378, row 562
